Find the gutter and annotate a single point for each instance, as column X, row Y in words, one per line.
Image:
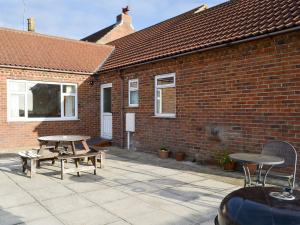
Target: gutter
column 44, row 70
column 204, row 49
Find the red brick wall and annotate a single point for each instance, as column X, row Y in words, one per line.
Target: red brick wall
column 249, row 93
column 14, row 135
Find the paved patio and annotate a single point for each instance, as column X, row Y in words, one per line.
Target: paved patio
column 133, row 188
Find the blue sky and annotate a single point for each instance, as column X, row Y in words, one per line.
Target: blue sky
column 79, row 18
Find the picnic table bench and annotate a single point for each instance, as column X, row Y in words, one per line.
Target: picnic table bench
column 93, row 156
column 30, row 161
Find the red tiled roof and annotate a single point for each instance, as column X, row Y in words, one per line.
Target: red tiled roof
column 227, row 22
column 28, row 49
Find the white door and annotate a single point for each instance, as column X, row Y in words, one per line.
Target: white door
column 106, row 115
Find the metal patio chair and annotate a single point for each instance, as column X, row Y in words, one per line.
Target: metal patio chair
column 284, row 150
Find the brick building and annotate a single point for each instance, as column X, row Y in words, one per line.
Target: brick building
column 226, row 77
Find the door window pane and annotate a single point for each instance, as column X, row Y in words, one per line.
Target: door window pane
column 69, row 106
column 107, row 100
column 17, row 105
column 165, row 81
column 43, row 100
column 69, row 89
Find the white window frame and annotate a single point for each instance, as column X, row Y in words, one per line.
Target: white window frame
column 167, row 115
column 62, row 95
column 130, row 89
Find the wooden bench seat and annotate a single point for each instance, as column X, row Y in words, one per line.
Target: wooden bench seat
column 93, row 156
column 33, row 158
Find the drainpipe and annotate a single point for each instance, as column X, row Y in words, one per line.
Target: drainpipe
column 121, row 107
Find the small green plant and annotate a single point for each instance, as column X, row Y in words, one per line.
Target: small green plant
column 223, row 158
column 163, row 148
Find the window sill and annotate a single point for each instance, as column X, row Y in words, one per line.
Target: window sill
column 133, row 106
column 42, row 120
column 165, row 116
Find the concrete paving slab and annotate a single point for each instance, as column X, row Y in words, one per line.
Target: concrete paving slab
column 138, row 188
column 17, row 198
column 50, row 192
column 120, row 222
column 104, row 196
column 44, row 221
column 128, row 207
column 88, row 216
column 23, row 213
column 159, row 217
column 66, row 204
column 81, row 187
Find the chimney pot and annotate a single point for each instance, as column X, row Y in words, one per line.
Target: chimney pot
column 31, row 24
column 125, row 10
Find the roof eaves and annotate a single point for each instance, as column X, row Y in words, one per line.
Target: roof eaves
column 46, row 69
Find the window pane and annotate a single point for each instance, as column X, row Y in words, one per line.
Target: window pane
column 107, row 100
column 17, row 105
column 69, row 89
column 166, row 100
column 133, row 84
column 17, row 86
column 166, row 80
column 69, row 105
column 134, row 97
column 43, row 100
column 158, row 101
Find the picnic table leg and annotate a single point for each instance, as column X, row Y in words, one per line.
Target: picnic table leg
column 77, row 166
column 32, row 167
column 85, row 146
column 73, row 148
column 24, row 164
column 102, row 159
column 94, row 161
column 62, row 167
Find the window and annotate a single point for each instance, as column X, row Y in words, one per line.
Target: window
column 165, row 95
column 133, row 93
column 36, row 101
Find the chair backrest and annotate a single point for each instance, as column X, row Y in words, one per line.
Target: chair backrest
column 282, row 149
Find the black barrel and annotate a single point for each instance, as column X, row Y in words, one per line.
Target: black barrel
column 255, row 206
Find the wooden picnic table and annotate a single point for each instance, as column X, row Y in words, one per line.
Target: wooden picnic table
column 68, row 141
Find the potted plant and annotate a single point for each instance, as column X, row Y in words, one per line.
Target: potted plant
column 225, row 161
column 179, row 156
column 163, row 152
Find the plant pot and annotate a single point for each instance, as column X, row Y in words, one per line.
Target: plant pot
column 229, row 166
column 179, row 156
column 163, row 154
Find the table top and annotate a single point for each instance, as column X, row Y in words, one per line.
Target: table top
column 259, row 208
column 256, row 158
column 61, row 138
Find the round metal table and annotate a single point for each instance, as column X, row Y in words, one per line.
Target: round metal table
column 255, row 205
column 69, row 139
column 260, row 160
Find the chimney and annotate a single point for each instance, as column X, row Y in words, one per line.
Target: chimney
column 124, row 17
column 31, row 24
